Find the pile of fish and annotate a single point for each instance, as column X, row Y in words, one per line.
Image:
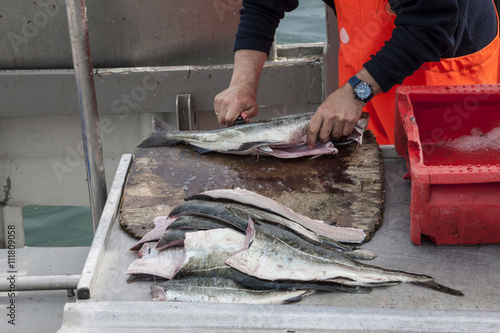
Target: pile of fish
column 238, row 246
column 282, row 137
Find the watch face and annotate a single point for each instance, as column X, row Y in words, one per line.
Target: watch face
column 363, row 90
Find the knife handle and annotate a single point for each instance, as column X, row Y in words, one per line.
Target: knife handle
column 242, row 119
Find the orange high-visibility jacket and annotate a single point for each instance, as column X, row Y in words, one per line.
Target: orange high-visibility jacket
column 365, row 25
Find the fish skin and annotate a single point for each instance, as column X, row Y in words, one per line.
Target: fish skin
column 161, row 224
column 196, row 222
column 260, row 138
column 217, row 211
column 170, row 238
column 271, row 258
column 175, row 233
column 220, row 290
column 349, row 235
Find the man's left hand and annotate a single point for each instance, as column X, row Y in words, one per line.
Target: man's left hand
column 335, row 117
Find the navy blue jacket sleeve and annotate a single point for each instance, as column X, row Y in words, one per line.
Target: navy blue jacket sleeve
column 258, row 22
column 424, row 32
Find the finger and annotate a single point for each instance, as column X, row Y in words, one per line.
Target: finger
column 325, row 131
column 251, row 111
column 348, row 128
column 338, row 129
column 220, row 117
column 232, row 113
column 312, row 131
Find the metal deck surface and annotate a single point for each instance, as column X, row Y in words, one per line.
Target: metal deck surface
column 472, row 269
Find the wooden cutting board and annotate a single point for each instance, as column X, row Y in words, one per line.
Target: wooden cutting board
column 345, row 190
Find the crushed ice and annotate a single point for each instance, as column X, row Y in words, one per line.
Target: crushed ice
column 477, row 141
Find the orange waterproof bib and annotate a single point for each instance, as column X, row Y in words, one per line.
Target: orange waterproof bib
column 364, row 26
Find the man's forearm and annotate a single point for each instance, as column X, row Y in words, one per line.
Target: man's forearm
column 247, row 67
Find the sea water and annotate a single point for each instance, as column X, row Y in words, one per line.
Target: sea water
column 62, row 226
column 306, row 24
column 57, row 226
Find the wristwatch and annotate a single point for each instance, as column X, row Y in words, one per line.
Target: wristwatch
column 362, row 91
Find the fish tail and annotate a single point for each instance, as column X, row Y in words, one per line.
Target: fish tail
column 156, row 140
column 160, row 137
column 163, row 127
column 439, row 287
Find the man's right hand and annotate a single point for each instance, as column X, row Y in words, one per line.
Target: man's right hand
column 230, row 103
column 242, row 92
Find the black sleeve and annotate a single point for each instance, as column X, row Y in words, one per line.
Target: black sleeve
column 424, row 32
column 258, row 22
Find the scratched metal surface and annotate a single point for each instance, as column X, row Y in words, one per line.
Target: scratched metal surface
column 474, row 270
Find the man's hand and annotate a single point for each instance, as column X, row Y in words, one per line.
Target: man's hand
column 242, row 91
column 335, row 117
column 339, row 112
column 230, row 103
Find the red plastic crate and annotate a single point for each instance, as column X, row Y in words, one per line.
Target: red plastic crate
column 454, row 170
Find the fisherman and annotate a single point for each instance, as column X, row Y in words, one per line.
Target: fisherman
column 382, row 44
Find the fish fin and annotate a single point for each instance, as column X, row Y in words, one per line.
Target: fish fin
column 266, row 148
column 360, row 254
column 161, row 126
column 439, row 287
column 294, row 299
column 158, row 293
column 200, row 150
column 250, row 145
column 144, row 277
column 156, row 140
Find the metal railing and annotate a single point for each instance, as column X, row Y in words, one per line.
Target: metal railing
column 82, row 63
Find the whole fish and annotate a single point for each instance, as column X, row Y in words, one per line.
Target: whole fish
column 220, row 290
column 283, row 137
column 268, row 255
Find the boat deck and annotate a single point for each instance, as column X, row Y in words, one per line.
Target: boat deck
column 115, row 305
